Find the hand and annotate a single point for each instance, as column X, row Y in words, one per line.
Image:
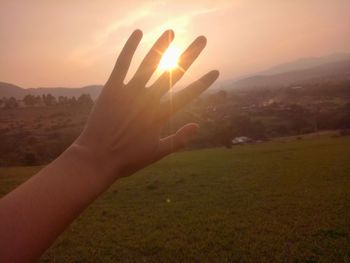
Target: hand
column 120, row 137
column 123, row 131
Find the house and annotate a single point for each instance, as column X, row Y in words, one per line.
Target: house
column 241, row 140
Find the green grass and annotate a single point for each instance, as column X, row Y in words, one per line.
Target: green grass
column 284, row 201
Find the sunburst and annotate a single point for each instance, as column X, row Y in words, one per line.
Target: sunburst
column 170, row 59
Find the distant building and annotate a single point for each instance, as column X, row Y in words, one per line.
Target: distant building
column 241, row 140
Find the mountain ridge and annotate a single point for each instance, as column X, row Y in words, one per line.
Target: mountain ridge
column 326, row 72
column 336, row 65
column 11, row 90
column 305, row 63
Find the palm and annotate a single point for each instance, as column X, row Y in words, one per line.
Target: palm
column 127, row 118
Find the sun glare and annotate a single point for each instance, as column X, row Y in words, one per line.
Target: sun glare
column 169, row 59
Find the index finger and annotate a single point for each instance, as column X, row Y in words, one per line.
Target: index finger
column 124, row 60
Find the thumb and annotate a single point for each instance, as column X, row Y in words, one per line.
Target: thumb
column 177, row 140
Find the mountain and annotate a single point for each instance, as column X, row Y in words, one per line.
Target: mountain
column 93, row 90
column 10, row 90
column 306, row 63
column 313, row 69
column 337, row 71
column 296, row 65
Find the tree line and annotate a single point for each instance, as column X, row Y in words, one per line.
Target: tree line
column 45, row 100
column 225, row 115
column 222, row 116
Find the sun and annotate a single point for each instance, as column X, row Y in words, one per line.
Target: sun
column 169, row 59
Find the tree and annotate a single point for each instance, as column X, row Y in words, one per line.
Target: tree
column 10, row 103
column 38, row 100
column 29, row 100
column 30, row 159
column 49, row 100
column 63, row 100
column 72, row 101
column 85, row 100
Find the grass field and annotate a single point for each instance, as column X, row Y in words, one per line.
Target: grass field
column 281, row 201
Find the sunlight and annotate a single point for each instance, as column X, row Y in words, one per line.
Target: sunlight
column 169, row 59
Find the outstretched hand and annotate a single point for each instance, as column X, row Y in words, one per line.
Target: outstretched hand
column 123, row 130
column 121, row 136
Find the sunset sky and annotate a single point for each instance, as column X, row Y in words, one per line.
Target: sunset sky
column 75, row 43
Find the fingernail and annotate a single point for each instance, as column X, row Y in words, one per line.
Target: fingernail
column 170, row 33
column 138, row 33
column 202, row 39
column 216, row 73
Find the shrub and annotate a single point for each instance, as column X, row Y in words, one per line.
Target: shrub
column 30, row 159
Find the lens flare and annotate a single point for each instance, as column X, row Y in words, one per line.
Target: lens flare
column 169, row 59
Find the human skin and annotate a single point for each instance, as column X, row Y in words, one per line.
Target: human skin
column 122, row 136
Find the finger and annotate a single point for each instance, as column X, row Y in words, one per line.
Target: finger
column 169, row 78
column 123, row 62
column 151, row 60
column 177, row 141
column 186, row 95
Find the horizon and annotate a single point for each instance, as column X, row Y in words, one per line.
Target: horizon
column 220, row 82
column 89, row 36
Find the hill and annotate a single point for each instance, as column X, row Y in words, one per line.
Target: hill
column 306, row 63
column 281, row 201
column 335, row 67
column 10, row 90
column 332, row 72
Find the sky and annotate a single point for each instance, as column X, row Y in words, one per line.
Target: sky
column 49, row 43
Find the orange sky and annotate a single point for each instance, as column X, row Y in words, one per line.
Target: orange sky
column 75, row 43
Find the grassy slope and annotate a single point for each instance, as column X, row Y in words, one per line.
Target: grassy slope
column 277, row 201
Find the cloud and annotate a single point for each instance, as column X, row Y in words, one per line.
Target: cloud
column 87, row 53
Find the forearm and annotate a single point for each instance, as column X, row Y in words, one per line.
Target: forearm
column 34, row 214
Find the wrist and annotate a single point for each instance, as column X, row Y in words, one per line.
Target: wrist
column 92, row 163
